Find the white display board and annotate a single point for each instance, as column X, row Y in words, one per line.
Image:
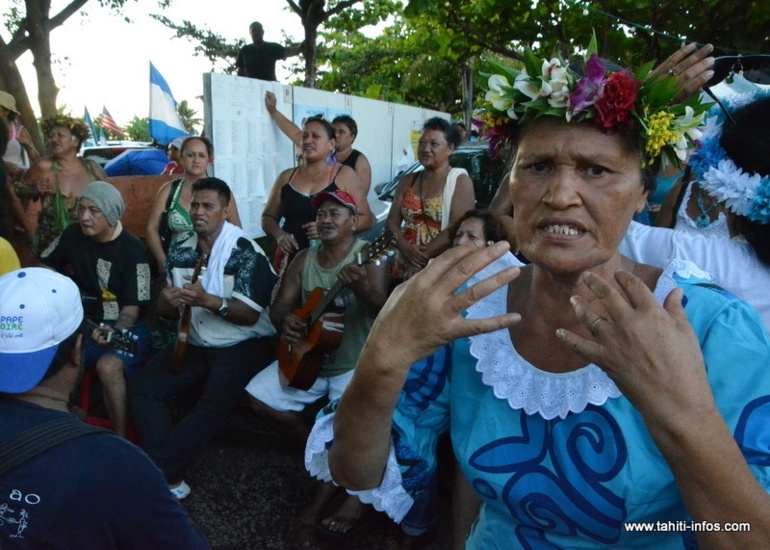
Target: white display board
column 250, row 151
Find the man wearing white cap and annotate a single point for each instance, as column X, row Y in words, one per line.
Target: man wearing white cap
column 83, row 487
column 110, row 267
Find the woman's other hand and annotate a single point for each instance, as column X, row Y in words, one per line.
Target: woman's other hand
column 287, row 243
column 413, row 255
column 311, row 230
column 44, row 185
column 15, row 173
column 649, row 350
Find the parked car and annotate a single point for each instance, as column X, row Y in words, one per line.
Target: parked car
column 105, row 153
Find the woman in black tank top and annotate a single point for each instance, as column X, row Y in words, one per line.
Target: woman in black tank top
column 347, row 130
column 293, row 189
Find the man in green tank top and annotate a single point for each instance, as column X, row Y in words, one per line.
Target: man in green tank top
column 361, row 294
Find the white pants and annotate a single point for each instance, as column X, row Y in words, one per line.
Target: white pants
column 266, row 387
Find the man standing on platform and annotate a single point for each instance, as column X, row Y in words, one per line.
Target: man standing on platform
column 257, row 60
column 229, row 335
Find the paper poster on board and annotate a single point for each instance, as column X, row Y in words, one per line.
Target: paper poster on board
column 304, row 112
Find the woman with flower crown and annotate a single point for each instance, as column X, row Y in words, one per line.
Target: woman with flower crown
column 59, row 179
column 732, row 167
column 588, row 392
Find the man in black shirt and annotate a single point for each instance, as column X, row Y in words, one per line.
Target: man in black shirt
column 111, row 269
column 257, row 60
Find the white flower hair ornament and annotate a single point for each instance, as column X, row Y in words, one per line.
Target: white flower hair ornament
column 716, row 173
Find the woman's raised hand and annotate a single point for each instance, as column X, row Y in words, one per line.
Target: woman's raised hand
column 690, row 66
column 649, row 350
column 270, row 102
column 424, row 313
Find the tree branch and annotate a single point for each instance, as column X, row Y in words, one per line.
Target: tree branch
column 295, row 8
column 71, row 9
column 340, row 7
column 485, row 42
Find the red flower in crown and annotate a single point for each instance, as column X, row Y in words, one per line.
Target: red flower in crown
column 617, row 101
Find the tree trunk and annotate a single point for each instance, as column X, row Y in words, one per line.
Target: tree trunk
column 467, row 85
column 311, row 33
column 39, row 30
column 11, row 82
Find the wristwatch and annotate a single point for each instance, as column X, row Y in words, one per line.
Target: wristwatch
column 223, row 309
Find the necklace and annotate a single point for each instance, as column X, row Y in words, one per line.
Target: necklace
column 703, row 219
column 313, row 177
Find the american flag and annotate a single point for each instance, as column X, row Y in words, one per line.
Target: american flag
column 108, row 123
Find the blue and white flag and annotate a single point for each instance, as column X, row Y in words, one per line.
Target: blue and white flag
column 165, row 124
column 94, row 138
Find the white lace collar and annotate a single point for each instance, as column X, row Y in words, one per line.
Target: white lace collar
column 525, row 386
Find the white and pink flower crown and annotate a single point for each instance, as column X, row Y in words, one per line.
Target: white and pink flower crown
column 612, row 99
column 716, row 173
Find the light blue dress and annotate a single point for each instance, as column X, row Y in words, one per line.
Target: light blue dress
column 564, row 460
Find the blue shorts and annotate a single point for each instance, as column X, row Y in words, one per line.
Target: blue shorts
column 94, row 351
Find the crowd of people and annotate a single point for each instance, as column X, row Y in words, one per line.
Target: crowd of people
column 609, row 373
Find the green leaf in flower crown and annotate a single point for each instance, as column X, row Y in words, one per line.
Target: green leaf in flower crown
column 593, row 46
column 532, row 63
column 644, row 70
column 496, row 68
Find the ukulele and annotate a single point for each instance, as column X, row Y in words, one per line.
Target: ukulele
column 122, row 340
column 184, row 325
column 300, row 363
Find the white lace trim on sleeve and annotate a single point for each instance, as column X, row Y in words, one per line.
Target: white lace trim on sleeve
column 390, row 497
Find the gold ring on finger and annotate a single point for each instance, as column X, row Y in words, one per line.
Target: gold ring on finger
column 594, row 324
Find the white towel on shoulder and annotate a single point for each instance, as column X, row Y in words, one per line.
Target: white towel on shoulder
column 449, row 191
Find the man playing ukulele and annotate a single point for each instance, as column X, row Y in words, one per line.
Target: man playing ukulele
column 364, row 292
column 229, row 338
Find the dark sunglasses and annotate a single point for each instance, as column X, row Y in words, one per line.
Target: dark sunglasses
column 754, row 68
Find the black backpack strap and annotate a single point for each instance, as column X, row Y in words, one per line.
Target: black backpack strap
column 46, row 435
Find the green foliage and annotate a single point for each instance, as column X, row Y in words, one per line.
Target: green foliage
column 138, row 129
column 208, row 44
column 187, row 114
column 402, row 64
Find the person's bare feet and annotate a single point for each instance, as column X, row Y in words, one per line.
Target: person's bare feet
column 347, row 518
